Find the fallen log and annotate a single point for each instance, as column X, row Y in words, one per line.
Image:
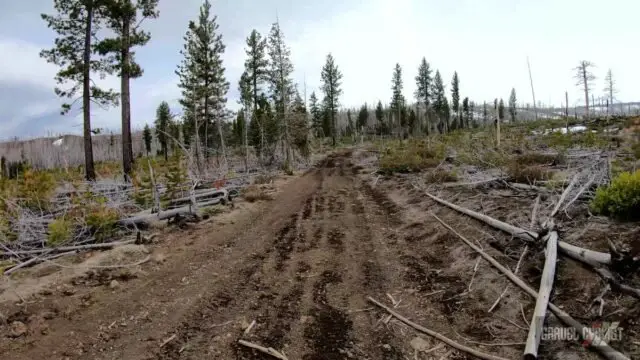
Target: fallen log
column 587, row 256
column 564, row 195
column 37, row 259
column 542, row 301
column 592, row 340
column 145, row 217
column 435, row 334
column 70, row 248
column 200, row 195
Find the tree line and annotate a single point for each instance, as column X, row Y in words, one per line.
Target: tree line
column 274, row 119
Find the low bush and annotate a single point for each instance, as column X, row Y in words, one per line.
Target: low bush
column 441, row 176
column 527, row 174
column 621, row 199
column 255, row 193
column 60, row 231
column 535, row 158
column 412, row 156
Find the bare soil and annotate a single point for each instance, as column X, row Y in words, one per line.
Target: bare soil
column 302, row 267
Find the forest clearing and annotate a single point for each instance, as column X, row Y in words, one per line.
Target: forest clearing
column 303, row 263
column 449, row 224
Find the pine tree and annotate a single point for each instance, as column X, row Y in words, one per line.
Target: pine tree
column 397, row 99
column 124, row 19
column 363, row 118
column 163, row 119
column 246, row 99
column 147, row 137
column 412, row 121
column 238, row 127
column 256, row 68
column 501, row 109
column 485, row 113
column 174, row 132
column 512, row 105
column 331, row 78
column 279, row 73
column 382, row 128
column 440, row 103
column 77, row 23
column 466, row 111
column 455, row 97
column 299, row 125
column 201, row 73
column 423, row 88
column 316, row 114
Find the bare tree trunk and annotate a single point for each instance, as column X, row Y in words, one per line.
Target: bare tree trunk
column 586, row 89
column 533, row 93
column 127, row 148
column 224, row 152
column 90, row 173
column 197, row 139
column 566, row 109
column 245, row 142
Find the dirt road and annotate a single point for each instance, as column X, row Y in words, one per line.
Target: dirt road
column 302, row 266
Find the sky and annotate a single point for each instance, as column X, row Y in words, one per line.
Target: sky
column 487, row 42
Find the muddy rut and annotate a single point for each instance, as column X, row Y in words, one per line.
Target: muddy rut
column 302, row 269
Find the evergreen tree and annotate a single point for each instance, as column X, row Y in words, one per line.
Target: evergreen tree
column 331, row 78
column 423, row 88
column 485, row 114
column 455, row 97
column 174, row 132
column 397, row 99
column 299, row 125
column 256, row 69
column 238, row 127
column 382, row 128
column 316, row 115
column 512, row 105
column 163, row 120
column 363, row 118
column 440, row 103
column 466, row 111
column 124, row 19
column 77, row 23
column 201, row 74
column 279, row 73
column 412, row 121
column 147, row 137
column 501, row 110
column 350, row 126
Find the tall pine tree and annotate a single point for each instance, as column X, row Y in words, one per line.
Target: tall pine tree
column 256, row 68
column 279, row 73
column 316, row 115
column 331, row 78
column 124, row 19
column 147, row 137
column 455, row 98
column 202, row 80
column 363, row 118
column 423, row 88
column 77, row 23
column 440, row 103
column 397, row 99
column 162, row 123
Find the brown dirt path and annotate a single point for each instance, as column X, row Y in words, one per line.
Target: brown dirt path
column 299, row 267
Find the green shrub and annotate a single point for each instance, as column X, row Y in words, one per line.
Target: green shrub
column 441, row 176
column 621, row 199
column 408, row 157
column 540, row 159
column 60, row 231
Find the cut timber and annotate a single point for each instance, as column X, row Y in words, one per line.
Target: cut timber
column 70, row 248
column 544, row 293
column 587, row 256
column 564, row 195
column 436, row 335
column 592, row 340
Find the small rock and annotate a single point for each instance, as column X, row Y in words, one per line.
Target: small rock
column 158, row 258
column 386, row 346
column 114, row 284
column 48, row 315
column 17, row 329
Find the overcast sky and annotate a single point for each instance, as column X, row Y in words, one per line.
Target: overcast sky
column 487, row 42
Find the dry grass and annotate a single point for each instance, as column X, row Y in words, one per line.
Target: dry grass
column 255, row 193
column 440, row 176
column 535, row 158
column 527, row 174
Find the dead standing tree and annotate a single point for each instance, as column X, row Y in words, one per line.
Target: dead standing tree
column 584, row 78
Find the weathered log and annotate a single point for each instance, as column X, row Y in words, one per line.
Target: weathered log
column 542, row 301
column 70, row 248
column 564, row 195
column 592, row 340
column 146, row 217
column 587, row 256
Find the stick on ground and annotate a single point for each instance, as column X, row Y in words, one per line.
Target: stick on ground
column 436, row 334
column 269, row 351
